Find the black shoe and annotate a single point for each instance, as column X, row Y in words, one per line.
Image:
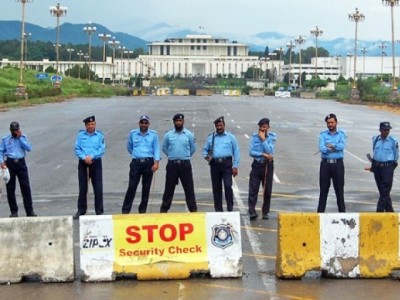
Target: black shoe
column 265, row 217
column 253, row 216
column 31, row 215
column 77, row 215
column 99, row 214
column 14, row 215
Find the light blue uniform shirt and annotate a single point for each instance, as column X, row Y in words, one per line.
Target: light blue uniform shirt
column 225, row 145
column 90, row 144
column 14, row 147
column 337, row 139
column 179, row 144
column 144, row 145
column 258, row 147
column 385, row 150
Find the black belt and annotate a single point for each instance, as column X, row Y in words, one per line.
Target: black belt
column 179, row 161
column 142, row 160
column 332, row 161
column 16, row 160
column 261, row 161
column 222, row 159
column 383, row 164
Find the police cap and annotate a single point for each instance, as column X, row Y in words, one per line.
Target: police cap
column 89, row 119
column 144, row 117
column 178, row 117
column 385, row 125
column 220, row 119
column 263, row 121
column 14, row 126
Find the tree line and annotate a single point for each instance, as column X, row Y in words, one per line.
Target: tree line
column 39, row 50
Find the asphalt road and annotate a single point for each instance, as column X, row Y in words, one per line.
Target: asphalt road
column 297, row 122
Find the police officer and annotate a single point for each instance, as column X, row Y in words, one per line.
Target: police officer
column 13, row 148
column 386, row 154
column 221, row 150
column 90, row 148
column 332, row 143
column 144, row 148
column 179, row 146
column 262, row 148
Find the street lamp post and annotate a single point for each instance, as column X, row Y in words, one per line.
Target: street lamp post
column 382, row 46
column 349, row 55
column 290, row 46
column 355, row 17
column 80, row 54
column 58, row 11
column 27, row 35
column 70, row 50
column 337, row 58
column 364, row 51
column 280, row 52
column 300, row 40
column 122, row 49
column 114, row 43
column 21, row 91
column 89, row 30
column 104, row 37
column 86, row 57
column 392, row 3
column 316, row 32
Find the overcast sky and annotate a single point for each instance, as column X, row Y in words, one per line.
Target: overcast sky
column 233, row 19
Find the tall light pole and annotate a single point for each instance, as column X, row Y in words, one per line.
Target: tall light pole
column 280, row 52
column 382, row 46
column 58, row 11
column 80, row 54
column 355, row 17
column 21, row 91
column 89, row 30
column 128, row 52
column 104, row 37
column 316, row 32
column 121, row 48
column 86, row 57
column 299, row 41
column 290, row 46
column 337, row 58
column 392, row 3
column 114, row 43
column 27, row 35
column 70, row 50
column 364, row 51
column 349, row 55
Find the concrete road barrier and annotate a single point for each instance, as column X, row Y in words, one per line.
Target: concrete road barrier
column 342, row 245
column 160, row 246
column 232, row 92
column 40, row 247
column 203, row 92
column 256, row 93
column 181, row 92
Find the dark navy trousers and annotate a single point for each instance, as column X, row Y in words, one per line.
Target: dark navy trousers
column 384, row 180
column 18, row 168
column 261, row 173
column 94, row 172
column 221, row 172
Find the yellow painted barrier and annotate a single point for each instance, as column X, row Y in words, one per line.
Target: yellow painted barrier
column 341, row 245
column 181, row 92
column 160, row 246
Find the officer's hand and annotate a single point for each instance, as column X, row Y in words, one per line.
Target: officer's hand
column 395, row 165
column 3, row 165
column 154, row 167
column 261, row 135
column 19, row 133
column 88, row 160
column 207, row 158
column 235, row 172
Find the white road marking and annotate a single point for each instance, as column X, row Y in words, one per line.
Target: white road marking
column 57, row 167
column 238, row 127
column 253, row 237
column 246, row 136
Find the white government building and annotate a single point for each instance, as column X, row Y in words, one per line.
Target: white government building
column 204, row 55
